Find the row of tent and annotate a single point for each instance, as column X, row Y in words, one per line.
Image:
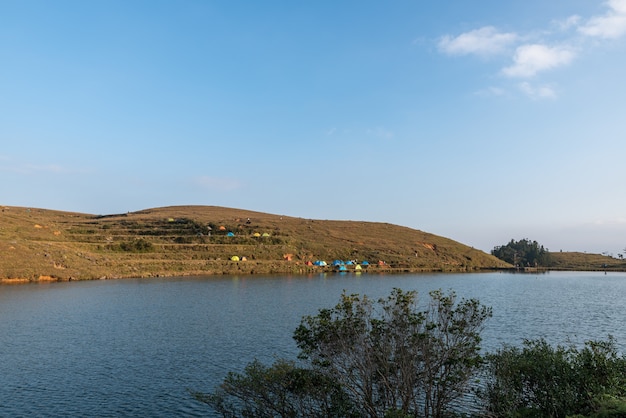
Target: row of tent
column 340, row 263
column 337, row 263
column 256, row 234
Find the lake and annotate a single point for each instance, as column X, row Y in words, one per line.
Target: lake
column 134, row 347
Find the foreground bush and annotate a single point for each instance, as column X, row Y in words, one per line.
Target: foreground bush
column 387, row 358
column 367, row 358
column 539, row 380
column 282, row 390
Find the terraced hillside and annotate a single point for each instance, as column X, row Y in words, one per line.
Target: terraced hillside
column 40, row 244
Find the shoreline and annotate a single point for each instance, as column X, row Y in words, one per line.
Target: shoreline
column 294, row 271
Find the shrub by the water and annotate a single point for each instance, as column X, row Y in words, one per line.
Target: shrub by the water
column 387, row 358
column 368, row 359
column 539, row 380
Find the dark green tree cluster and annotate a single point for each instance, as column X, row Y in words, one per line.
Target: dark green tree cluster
column 280, row 390
column 539, row 380
column 523, row 253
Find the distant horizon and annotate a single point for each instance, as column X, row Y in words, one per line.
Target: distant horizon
column 478, row 122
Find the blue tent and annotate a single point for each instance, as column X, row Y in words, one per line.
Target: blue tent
column 230, row 234
column 365, row 263
column 320, row 263
column 337, row 263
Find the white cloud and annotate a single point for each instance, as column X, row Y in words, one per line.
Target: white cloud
column 484, row 41
column 541, row 92
column 217, row 183
column 532, row 59
column 548, row 50
column 610, row 26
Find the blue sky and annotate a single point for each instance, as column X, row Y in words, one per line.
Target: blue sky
column 479, row 121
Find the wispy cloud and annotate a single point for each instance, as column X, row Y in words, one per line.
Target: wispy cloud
column 532, row 59
column 537, row 92
column 567, row 23
column 484, row 41
column 611, row 25
column 381, row 133
column 491, row 92
column 609, row 222
column 46, row 168
column 32, row 169
column 217, row 183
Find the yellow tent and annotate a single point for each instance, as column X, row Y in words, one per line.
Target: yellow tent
column 256, row 234
column 234, row 258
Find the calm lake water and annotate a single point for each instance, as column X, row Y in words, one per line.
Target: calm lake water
column 133, row 347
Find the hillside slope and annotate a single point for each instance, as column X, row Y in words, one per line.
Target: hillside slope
column 41, row 244
column 585, row 261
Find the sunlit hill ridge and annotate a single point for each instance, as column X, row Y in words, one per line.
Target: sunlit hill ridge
column 42, row 244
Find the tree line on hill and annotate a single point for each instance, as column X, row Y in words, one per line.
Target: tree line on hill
column 389, row 358
column 523, row 253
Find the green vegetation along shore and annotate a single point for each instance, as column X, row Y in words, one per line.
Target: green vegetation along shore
column 41, row 244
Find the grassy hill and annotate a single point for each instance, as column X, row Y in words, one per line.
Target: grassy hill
column 40, row 244
column 585, row 261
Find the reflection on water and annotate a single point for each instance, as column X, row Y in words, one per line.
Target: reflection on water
column 134, row 347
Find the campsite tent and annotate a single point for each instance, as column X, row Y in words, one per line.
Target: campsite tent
column 338, row 263
column 320, row 263
column 265, row 234
column 234, row 258
column 256, row 234
column 230, row 234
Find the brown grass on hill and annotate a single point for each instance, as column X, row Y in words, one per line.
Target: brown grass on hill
column 585, row 261
column 188, row 240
